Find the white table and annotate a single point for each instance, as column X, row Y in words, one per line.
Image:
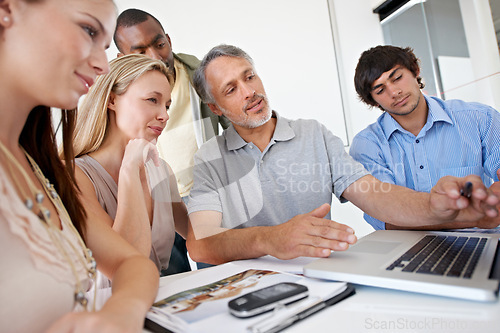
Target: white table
column 383, row 310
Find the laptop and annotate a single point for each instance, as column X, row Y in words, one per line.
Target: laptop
column 454, row 264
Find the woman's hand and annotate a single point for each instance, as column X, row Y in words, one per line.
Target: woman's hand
column 138, row 152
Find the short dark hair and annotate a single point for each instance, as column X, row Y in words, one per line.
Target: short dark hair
column 200, row 82
column 129, row 18
column 377, row 60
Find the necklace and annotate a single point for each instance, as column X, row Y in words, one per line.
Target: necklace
column 62, row 243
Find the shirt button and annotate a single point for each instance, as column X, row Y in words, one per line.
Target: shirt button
column 421, row 167
column 251, row 147
column 417, row 141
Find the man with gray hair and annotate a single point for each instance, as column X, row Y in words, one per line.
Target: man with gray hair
column 265, row 185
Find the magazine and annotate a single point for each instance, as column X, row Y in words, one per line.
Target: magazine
column 204, row 308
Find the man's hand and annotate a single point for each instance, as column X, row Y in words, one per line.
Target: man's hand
column 309, row 235
column 488, row 222
column 495, row 187
column 448, row 204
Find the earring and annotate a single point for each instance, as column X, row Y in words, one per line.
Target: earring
column 6, row 19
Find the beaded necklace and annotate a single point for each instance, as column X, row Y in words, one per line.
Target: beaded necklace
column 62, row 243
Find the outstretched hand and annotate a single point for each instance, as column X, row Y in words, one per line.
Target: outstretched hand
column 309, row 235
column 448, row 204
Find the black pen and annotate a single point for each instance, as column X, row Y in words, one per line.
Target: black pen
column 466, row 191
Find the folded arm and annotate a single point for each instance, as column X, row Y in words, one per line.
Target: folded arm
column 135, row 284
column 132, row 220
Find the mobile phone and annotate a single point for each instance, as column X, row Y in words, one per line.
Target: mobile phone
column 266, row 299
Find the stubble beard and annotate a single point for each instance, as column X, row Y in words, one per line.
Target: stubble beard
column 265, row 114
column 413, row 108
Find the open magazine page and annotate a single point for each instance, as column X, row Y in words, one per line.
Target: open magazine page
column 198, row 303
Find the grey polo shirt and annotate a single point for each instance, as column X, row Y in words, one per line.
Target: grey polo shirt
column 298, row 171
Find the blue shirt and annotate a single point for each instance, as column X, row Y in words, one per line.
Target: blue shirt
column 458, row 139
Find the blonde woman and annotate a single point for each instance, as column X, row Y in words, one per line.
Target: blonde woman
column 118, row 170
column 50, row 53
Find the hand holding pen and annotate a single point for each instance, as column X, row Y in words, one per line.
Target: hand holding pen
column 465, row 200
column 466, row 191
column 481, row 200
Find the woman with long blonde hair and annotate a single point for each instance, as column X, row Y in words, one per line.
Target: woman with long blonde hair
column 118, row 170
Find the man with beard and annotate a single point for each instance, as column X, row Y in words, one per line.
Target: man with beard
column 419, row 138
column 265, row 185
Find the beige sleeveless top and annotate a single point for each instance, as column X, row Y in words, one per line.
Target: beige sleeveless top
column 159, row 180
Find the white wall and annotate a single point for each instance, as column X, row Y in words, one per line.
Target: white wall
column 290, row 41
column 357, row 29
column 483, row 50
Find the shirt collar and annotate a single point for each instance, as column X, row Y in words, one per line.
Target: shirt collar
column 436, row 111
column 233, row 139
column 436, row 114
column 282, row 132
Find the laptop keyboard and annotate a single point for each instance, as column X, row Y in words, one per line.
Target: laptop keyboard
column 454, row 256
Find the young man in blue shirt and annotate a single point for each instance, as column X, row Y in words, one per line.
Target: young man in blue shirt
column 419, row 138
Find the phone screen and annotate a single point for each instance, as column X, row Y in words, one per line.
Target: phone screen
column 275, row 290
column 266, row 299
